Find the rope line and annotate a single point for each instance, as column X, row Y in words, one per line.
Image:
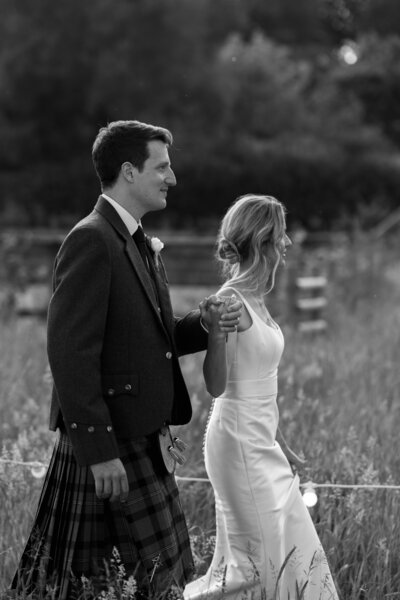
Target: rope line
column 308, row 484
column 32, row 463
column 365, row 486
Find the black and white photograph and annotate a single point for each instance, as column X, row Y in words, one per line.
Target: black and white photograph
column 200, row 300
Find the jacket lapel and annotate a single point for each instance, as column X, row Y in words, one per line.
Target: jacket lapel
column 131, row 250
column 163, row 294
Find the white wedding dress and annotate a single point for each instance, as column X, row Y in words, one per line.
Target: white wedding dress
column 260, row 514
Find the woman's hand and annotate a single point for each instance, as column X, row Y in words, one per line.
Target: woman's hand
column 229, row 309
column 296, row 461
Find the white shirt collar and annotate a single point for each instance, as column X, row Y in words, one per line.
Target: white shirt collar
column 129, row 221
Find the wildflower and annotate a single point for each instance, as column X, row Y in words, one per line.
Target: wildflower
column 129, row 587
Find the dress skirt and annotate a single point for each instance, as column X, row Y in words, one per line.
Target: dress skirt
column 266, row 544
column 75, row 533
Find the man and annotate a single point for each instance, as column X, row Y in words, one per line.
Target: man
column 113, row 347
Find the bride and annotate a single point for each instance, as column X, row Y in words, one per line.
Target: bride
column 266, row 544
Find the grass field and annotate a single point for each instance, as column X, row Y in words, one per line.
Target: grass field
column 339, row 403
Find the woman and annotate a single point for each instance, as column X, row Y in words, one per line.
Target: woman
column 266, row 545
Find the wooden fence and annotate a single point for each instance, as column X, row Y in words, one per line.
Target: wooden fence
column 189, row 260
column 311, row 303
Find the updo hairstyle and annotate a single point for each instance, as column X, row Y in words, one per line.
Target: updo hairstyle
column 251, row 224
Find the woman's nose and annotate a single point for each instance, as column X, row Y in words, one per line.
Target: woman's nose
column 287, row 240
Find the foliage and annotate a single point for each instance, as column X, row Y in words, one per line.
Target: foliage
column 338, row 403
column 375, row 80
column 254, row 93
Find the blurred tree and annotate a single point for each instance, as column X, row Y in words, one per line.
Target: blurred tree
column 248, row 113
column 286, row 132
column 295, row 23
column 159, row 54
column 259, row 84
column 382, row 16
column 342, row 18
column 45, row 67
column 375, row 80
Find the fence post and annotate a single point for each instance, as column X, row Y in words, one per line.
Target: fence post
column 310, row 303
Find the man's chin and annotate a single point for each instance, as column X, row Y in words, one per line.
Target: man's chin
column 159, row 205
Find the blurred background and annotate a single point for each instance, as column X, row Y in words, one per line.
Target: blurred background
column 299, row 99
column 296, row 99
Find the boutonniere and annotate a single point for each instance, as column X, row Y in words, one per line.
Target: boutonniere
column 156, row 245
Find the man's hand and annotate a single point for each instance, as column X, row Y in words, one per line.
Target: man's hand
column 215, row 312
column 110, row 480
column 230, row 315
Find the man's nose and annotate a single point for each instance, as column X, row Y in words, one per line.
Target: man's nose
column 288, row 241
column 170, row 178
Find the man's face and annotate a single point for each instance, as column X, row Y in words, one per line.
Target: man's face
column 150, row 186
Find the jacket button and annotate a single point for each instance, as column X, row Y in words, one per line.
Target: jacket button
column 90, row 429
column 109, row 428
column 128, row 387
column 111, row 392
column 74, row 426
column 169, row 355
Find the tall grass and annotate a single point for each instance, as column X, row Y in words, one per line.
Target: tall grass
column 339, row 403
column 24, row 435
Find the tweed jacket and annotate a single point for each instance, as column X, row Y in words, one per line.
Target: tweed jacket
column 113, row 346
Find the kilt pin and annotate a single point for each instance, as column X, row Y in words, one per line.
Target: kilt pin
column 113, row 346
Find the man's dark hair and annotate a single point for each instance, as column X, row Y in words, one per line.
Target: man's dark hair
column 124, row 141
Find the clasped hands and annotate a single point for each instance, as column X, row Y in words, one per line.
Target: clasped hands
column 221, row 313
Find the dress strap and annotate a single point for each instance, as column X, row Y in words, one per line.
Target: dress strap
column 272, row 324
column 246, row 302
column 239, row 294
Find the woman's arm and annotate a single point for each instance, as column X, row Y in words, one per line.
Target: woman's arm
column 294, row 459
column 215, row 367
column 221, row 347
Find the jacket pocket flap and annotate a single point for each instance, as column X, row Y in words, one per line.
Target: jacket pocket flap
column 118, row 384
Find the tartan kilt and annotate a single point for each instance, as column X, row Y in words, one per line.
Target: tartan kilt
column 75, row 532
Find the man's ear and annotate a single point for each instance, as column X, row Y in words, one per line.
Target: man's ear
column 128, row 171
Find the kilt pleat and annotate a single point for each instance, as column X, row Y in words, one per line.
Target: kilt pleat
column 75, row 533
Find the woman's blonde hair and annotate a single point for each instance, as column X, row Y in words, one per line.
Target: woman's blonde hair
column 250, row 223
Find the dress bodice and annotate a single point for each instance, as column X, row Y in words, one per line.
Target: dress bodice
column 258, row 350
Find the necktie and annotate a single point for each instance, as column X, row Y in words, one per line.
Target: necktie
column 140, row 240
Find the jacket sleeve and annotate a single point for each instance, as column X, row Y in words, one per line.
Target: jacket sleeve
column 189, row 334
column 76, row 325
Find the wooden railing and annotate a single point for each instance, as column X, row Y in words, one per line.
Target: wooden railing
column 311, row 303
column 189, row 261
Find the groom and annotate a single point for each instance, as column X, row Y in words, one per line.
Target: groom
column 113, row 346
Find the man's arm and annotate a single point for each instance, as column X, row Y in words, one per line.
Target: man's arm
column 76, row 325
column 191, row 331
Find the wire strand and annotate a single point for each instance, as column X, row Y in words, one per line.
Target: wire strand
column 309, row 484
